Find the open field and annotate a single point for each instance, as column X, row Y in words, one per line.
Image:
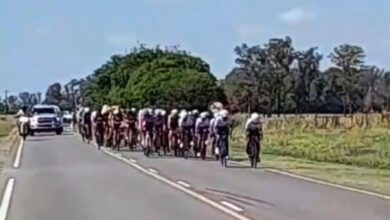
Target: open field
column 6, row 125
column 346, row 150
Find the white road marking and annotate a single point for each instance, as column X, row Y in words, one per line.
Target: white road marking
column 183, row 183
column 322, row 182
column 329, row 184
column 132, row 160
column 19, row 154
column 153, row 170
column 195, row 195
column 232, row 206
column 6, row 199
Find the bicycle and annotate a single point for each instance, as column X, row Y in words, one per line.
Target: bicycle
column 147, row 148
column 253, row 151
column 223, row 145
column 99, row 136
column 202, row 144
column 186, row 143
column 158, row 141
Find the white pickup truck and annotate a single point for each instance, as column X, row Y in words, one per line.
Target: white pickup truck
column 46, row 118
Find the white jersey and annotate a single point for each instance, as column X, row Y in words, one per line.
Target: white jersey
column 201, row 123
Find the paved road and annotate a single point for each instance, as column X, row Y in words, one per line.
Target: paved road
column 61, row 178
column 265, row 195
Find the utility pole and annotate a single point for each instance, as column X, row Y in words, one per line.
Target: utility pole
column 6, row 101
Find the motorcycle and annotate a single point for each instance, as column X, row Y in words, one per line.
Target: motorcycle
column 23, row 126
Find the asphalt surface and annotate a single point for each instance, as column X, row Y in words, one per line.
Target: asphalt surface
column 62, row 178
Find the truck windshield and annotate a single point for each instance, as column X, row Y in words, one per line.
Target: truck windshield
column 38, row 111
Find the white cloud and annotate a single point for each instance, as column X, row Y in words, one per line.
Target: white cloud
column 121, row 40
column 296, row 16
column 249, row 30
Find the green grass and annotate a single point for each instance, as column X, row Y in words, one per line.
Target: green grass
column 365, row 147
column 355, row 157
column 6, row 125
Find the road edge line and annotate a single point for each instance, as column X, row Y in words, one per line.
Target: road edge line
column 18, row 156
column 6, row 201
column 193, row 194
column 232, row 206
column 323, row 182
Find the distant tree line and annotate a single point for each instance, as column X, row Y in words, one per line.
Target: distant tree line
column 274, row 78
column 277, row 78
column 12, row 103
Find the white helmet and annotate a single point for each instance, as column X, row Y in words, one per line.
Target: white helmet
column 163, row 112
column 116, row 111
column 224, row 113
column 133, row 109
column 255, row 116
column 174, row 112
column 183, row 114
column 204, row 114
column 150, row 110
column 86, row 109
column 158, row 111
column 195, row 111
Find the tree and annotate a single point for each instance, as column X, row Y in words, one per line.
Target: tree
column 153, row 77
column 349, row 58
column 54, row 94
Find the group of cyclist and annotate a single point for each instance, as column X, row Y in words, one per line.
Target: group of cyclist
column 154, row 130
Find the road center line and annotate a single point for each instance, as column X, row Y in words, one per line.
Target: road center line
column 153, row 170
column 132, row 160
column 6, row 198
column 232, row 206
column 195, row 195
column 183, row 183
column 19, row 154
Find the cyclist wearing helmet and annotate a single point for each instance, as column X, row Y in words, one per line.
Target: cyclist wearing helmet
column 221, row 130
column 202, row 126
column 253, row 129
column 173, row 126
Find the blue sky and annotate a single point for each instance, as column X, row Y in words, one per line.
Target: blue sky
column 43, row 41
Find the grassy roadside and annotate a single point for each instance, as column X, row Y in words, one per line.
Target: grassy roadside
column 372, row 179
column 8, row 139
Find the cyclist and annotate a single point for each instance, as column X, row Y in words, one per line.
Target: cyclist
column 253, row 129
column 147, row 129
column 202, row 126
column 173, row 125
column 132, row 117
column 117, row 119
column 194, row 117
column 186, row 129
column 213, row 137
column 158, row 129
column 99, row 128
column 87, row 124
column 221, row 130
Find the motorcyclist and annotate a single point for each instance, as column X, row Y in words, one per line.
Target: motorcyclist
column 253, row 129
column 221, row 129
column 201, row 128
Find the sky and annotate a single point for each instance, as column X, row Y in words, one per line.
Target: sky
column 46, row 41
